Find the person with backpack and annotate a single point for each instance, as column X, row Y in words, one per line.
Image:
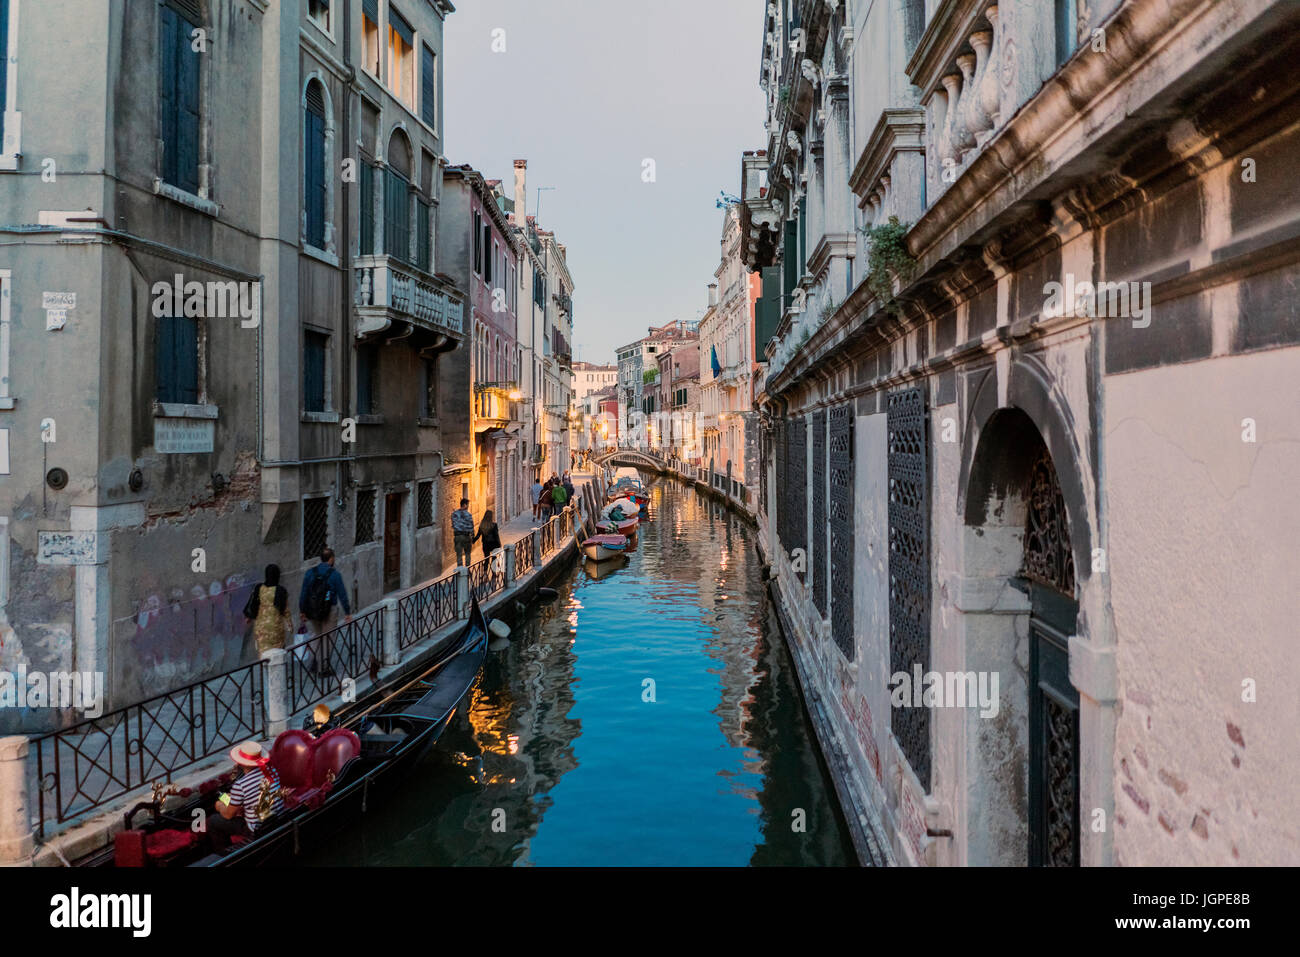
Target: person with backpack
column 322, row 592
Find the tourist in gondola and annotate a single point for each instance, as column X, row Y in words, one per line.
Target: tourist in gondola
column 488, row 531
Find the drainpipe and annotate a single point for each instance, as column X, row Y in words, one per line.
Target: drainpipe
column 346, row 456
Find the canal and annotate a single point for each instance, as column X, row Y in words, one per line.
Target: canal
column 649, row 715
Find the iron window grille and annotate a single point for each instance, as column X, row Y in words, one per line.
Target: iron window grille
column 424, row 504
column 909, row 565
column 819, row 512
column 365, row 522
column 315, row 526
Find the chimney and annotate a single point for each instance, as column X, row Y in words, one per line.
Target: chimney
column 521, row 192
column 713, row 294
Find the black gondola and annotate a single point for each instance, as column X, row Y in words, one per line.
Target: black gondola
column 384, row 731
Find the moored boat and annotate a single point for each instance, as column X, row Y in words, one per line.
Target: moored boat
column 325, row 781
column 602, row 547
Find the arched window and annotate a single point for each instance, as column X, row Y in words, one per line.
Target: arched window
column 314, row 165
column 397, row 198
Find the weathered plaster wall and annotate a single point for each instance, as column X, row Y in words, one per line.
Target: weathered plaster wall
column 1203, row 529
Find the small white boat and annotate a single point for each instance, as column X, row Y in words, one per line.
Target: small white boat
column 601, row 547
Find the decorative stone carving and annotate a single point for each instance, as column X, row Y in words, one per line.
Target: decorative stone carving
column 990, row 98
column 947, row 139
column 977, row 114
column 963, row 126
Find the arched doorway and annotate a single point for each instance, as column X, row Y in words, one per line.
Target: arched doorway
column 1022, row 766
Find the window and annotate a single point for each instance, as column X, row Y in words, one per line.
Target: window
column 370, row 36
column 176, row 360
column 397, row 215
column 367, row 239
column 478, row 241
column 365, row 522
column 429, row 88
column 423, row 248
column 424, row 505
column 314, row 170
column 315, row 350
column 178, row 94
column 487, row 257
column 429, row 390
column 367, row 379
column 7, row 56
column 319, row 10
column 1066, row 35
column 315, row 526
column 401, row 58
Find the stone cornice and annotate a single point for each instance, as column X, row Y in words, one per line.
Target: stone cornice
column 896, row 131
column 1088, row 98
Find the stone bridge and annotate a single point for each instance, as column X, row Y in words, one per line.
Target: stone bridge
column 632, row 457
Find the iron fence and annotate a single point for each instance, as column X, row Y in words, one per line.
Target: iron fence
column 317, row 666
column 98, row 760
column 524, row 555
column 547, row 533
column 423, row 612
column 487, row 576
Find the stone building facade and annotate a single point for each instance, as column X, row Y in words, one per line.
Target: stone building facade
column 221, row 322
column 1028, row 417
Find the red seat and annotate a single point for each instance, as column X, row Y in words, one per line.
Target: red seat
column 291, row 756
column 334, row 749
column 137, row 849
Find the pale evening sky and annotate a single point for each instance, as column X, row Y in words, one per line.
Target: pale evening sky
column 586, row 90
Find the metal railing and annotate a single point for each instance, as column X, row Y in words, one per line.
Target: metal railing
column 547, row 533
column 317, row 666
column 98, row 760
column 524, row 555
column 487, row 576
column 423, row 612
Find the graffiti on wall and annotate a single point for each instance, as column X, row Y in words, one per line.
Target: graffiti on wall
column 178, row 638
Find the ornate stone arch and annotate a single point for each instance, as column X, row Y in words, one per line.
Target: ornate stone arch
column 984, row 471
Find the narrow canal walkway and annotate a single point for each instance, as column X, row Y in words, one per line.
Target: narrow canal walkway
column 647, row 716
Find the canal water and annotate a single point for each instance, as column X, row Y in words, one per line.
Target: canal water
column 649, row 715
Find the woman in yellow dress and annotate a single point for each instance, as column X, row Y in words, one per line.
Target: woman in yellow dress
column 269, row 604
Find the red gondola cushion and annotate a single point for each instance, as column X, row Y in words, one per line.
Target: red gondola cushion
column 161, row 845
column 291, row 756
column 334, row 749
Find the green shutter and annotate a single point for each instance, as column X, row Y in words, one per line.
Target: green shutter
column 367, row 244
column 790, row 260
column 314, row 186
column 4, row 55
column 428, row 87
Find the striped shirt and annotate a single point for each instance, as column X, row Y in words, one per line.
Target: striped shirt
column 247, row 793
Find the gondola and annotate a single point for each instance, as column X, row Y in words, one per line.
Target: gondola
column 598, row 548
column 327, row 781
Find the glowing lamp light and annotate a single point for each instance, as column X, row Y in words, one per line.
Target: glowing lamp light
column 515, row 395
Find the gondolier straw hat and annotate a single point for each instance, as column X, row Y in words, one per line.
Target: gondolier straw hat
column 249, row 754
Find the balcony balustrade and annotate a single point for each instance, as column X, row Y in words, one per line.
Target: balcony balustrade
column 388, row 293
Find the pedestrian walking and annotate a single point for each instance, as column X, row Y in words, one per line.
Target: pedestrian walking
column 537, row 497
column 568, row 487
column 268, row 610
column 488, row 531
column 462, row 531
column 318, row 604
column 559, row 495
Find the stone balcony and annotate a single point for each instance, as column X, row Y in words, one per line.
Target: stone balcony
column 396, row 300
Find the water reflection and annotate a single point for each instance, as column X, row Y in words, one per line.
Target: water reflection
column 649, row 715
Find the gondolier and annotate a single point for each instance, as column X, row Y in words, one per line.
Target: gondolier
column 253, row 800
